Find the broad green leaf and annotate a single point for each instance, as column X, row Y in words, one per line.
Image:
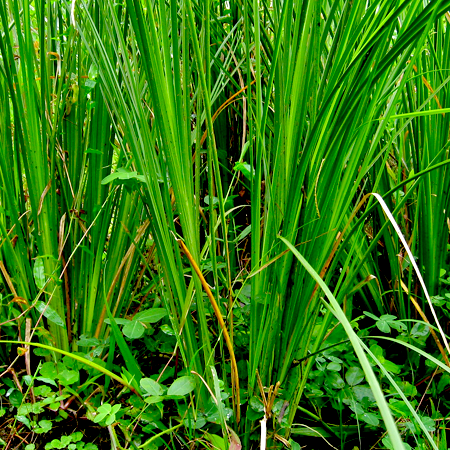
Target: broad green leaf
column 41, row 352
column 110, row 420
column 24, row 420
column 123, row 175
column 335, row 380
column 429, row 423
column 49, row 370
column 369, row 418
column 420, row 330
column 68, row 377
column 85, row 341
column 391, row 367
column 151, row 315
column 38, row 273
column 15, row 397
column 400, row 407
column 235, row 442
column 407, row 388
column 28, row 380
column 77, row 436
column 182, row 386
column 119, row 321
column 195, row 424
column 90, row 446
column 89, row 85
column 66, row 440
column 362, row 392
column 47, row 380
column 167, row 330
column 133, row 330
column 93, row 72
column 336, row 367
column 444, row 382
column 356, row 408
column 106, row 411
column 217, row 441
column 377, row 350
column 154, row 399
column 334, row 359
column 30, row 408
column 354, row 376
column 212, row 412
column 44, row 426
column 245, row 168
column 106, row 408
column 256, row 404
column 49, row 313
column 383, row 326
column 207, row 200
column 369, row 314
column 244, row 233
column 49, row 445
column 151, row 387
column 55, row 443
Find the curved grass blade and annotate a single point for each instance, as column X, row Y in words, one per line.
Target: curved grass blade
column 79, row 359
column 357, row 345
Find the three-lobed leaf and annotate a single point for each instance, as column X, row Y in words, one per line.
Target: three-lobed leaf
column 107, row 412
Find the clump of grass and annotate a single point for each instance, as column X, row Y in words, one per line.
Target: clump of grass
column 236, row 129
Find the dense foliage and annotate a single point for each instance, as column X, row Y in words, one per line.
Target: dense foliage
column 224, row 224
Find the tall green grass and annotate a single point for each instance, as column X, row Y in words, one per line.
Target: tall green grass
column 67, row 239
column 226, row 126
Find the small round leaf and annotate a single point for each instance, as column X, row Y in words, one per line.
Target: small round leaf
column 354, row 376
column 133, row 330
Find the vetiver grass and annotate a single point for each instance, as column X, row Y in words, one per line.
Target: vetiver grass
column 155, row 121
column 67, row 237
